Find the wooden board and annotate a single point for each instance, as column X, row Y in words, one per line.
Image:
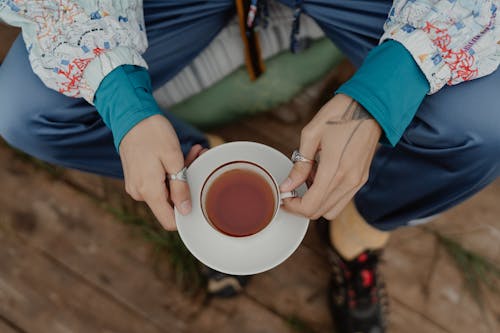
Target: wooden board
column 405, row 319
column 7, row 327
column 241, row 315
column 297, row 288
column 7, row 36
column 72, row 230
column 66, row 237
column 41, row 295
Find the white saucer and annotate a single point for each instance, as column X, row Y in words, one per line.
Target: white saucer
column 240, row 255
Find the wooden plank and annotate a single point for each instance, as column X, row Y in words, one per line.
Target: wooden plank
column 71, row 229
column 403, row 319
column 296, row 288
column 7, row 36
column 421, row 277
column 452, row 307
column 40, row 295
column 475, row 223
column 407, row 268
column 8, row 327
column 240, row 315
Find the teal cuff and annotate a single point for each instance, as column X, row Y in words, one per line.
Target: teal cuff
column 390, row 86
column 124, row 98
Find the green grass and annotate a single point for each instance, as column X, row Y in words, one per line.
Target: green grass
column 477, row 271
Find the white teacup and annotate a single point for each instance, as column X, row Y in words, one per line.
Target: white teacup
column 246, row 166
column 240, row 255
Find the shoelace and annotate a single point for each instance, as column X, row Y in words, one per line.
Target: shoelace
column 364, row 283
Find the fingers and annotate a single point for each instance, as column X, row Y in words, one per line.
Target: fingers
column 310, row 204
column 150, row 151
column 195, row 151
column 309, row 144
column 338, row 175
column 156, row 198
column 181, row 196
column 173, row 162
column 299, row 174
column 179, row 190
column 153, row 191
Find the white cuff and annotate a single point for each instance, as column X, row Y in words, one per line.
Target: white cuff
column 424, row 52
column 101, row 66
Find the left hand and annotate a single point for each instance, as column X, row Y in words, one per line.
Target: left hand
column 345, row 135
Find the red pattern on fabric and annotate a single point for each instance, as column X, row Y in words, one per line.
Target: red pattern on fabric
column 98, row 51
column 73, row 75
column 461, row 62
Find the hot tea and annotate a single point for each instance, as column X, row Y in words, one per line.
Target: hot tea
column 240, row 203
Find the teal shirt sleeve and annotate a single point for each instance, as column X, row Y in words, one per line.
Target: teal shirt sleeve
column 390, row 86
column 124, row 98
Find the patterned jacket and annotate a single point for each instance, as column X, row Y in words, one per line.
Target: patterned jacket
column 74, row 44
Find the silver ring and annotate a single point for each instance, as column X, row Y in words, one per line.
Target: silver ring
column 181, row 175
column 298, row 157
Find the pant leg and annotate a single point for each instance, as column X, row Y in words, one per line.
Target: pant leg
column 69, row 132
column 355, row 27
column 451, row 149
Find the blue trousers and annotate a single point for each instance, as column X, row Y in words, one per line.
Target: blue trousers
column 450, row 151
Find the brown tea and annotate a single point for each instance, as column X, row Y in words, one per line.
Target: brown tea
column 240, row 203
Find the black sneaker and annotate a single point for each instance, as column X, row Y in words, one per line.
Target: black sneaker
column 357, row 296
column 223, row 285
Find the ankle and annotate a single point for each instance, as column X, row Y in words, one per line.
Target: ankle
column 350, row 235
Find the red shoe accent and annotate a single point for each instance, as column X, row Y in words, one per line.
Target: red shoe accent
column 367, row 277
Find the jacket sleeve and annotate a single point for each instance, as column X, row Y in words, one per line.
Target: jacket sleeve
column 450, row 40
column 73, row 44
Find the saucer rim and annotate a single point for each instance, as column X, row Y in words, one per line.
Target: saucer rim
column 279, row 217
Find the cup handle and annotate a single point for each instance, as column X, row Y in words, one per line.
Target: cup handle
column 286, row 195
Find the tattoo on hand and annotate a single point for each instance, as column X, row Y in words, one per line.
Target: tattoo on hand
column 353, row 112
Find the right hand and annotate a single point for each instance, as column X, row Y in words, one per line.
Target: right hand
column 150, row 151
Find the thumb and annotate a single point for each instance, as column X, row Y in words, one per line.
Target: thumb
column 299, row 174
column 181, row 197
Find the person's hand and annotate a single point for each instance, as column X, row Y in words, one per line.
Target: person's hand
column 148, row 152
column 345, row 137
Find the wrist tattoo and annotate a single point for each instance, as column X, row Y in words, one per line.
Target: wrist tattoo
column 353, row 112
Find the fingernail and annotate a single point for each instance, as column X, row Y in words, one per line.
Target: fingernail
column 286, row 184
column 185, row 207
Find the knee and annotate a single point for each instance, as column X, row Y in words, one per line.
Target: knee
column 485, row 150
column 21, row 127
column 468, row 151
column 14, row 122
column 459, row 126
column 476, row 140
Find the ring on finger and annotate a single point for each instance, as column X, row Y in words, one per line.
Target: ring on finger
column 298, row 157
column 181, row 175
